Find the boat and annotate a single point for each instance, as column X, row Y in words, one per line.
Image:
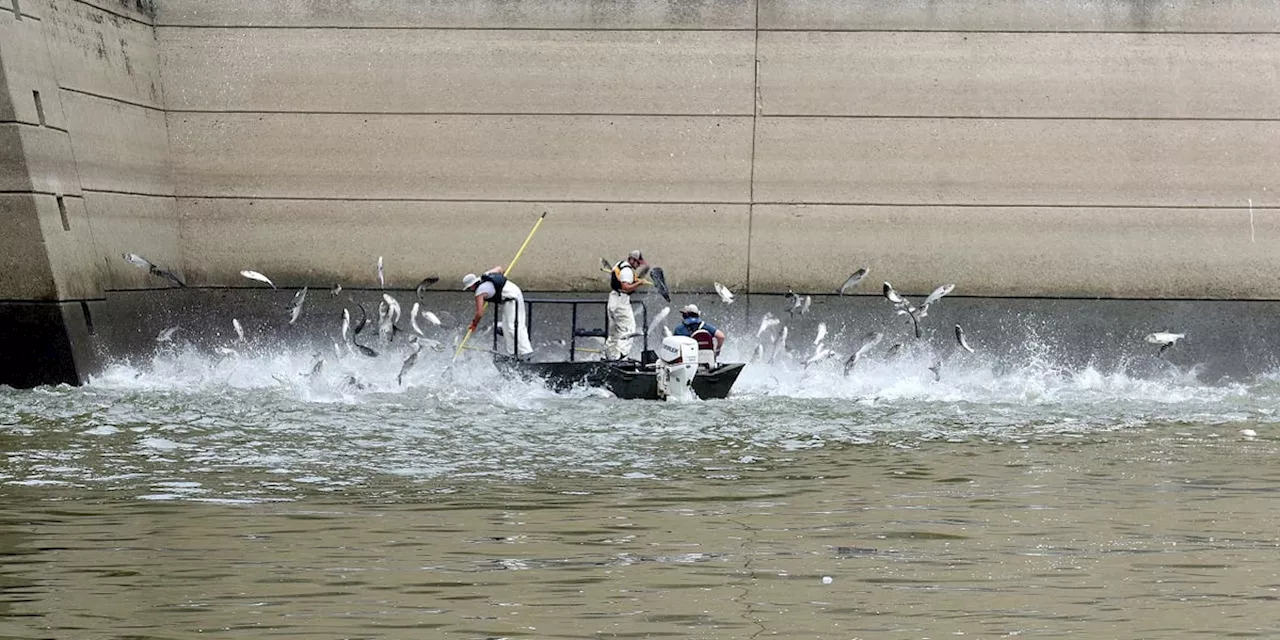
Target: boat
column 681, row 370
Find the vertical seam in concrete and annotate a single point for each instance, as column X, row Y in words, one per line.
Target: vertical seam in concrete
column 755, row 118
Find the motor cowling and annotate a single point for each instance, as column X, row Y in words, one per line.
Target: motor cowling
column 677, row 365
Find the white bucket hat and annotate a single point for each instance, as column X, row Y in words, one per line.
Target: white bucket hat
column 469, row 281
column 691, row 308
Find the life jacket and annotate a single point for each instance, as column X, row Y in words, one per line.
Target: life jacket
column 614, row 282
column 499, row 281
column 705, row 339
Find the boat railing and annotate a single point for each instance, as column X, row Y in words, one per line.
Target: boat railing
column 576, row 332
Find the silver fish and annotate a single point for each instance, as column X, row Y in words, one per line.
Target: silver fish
column 659, row 318
column 337, row 288
column 891, row 295
column 852, row 281
column 819, row 354
column 606, row 266
column 295, row 308
column 964, row 344
column 364, row 319
column 408, row 362
column 386, row 328
column 426, row 282
column 142, row 263
column 431, row 317
column 413, row 319
column 166, row 335
column 869, row 341
column 766, row 323
column 394, row 305
column 346, row 325
column 365, row 350
column 1164, row 339
column 725, row 294
column 382, row 282
column 239, row 329
column 937, row 295
column 822, row 333
column 254, row 275
column 780, row 346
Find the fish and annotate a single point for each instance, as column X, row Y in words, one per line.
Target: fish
column 869, row 342
column 894, row 351
column 796, row 302
column 254, row 275
column 408, row 363
column 606, row 266
column 891, row 295
column 166, row 335
column 1165, row 340
column 315, row 368
column 382, row 281
column 386, row 328
column 431, row 317
column 852, row 281
column 768, row 322
column 346, row 325
column 757, row 353
column 659, row 318
column 394, row 306
column 964, row 344
column 725, row 294
column 337, row 288
column 804, row 306
column 141, row 262
column 780, row 345
column 364, row 319
column 819, row 354
column 295, row 308
column 413, row 319
column 936, row 368
column 822, row 333
column 364, row 350
column 937, row 295
column 424, row 284
column 239, row 329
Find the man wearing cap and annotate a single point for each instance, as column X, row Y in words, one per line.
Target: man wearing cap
column 693, row 326
column 623, row 280
column 495, row 288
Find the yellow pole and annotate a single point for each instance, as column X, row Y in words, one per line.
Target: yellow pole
column 506, row 272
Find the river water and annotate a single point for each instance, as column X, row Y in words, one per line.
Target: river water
column 194, row 494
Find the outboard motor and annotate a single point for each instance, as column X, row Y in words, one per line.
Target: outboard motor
column 677, row 364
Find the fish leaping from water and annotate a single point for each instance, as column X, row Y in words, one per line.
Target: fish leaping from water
column 725, row 294
column 1165, row 340
column 766, row 323
column 659, row 318
column 142, row 263
column 166, row 334
column 964, row 344
column 295, row 308
column 382, row 281
column 852, row 281
column 254, row 275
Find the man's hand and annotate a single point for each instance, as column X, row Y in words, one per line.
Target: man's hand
column 472, row 327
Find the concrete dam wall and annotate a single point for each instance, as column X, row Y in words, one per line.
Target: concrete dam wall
column 1109, row 148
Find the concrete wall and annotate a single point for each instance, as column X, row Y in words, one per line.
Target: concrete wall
column 84, row 175
column 1102, row 148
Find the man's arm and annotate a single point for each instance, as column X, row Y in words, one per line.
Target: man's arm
column 475, row 321
column 630, row 287
column 497, row 269
column 719, row 338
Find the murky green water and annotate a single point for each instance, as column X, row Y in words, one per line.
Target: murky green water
column 241, row 497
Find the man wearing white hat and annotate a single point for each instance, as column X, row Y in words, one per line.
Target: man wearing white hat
column 496, row 289
column 693, row 326
column 623, row 281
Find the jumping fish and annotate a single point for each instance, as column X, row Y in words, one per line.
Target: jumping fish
column 295, row 308
column 869, row 341
column 852, row 281
column 365, row 350
column 337, row 288
column 239, row 329
column 725, row 294
column 382, row 281
column 894, row 351
column 936, row 368
column 1165, row 340
column 659, row 279
column 937, row 295
column 142, row 263
column 819, row 354
column 425, row 283
column 346, row 325
column 891, row 295
column 408, row 362
column 166, row 335
column 659, row 318
column 766, row 323
column 606, row 266
column 364, row 319
column 822, row 333
column 431, row 317
column 413, row 319
column 254, row 275
column 804, row 306
column 757, row 353
column 964, row 344
column 394, row 306
column 779, row 346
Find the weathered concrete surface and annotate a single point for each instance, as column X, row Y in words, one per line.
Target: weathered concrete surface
column 24, row 66
column 102, row 53
column 36, row 159
column 485, row 71
column 984, row 251
column 517, row 14
column 322, row 242
column 128, row 223
column 1046, row 75
column 1237, row 16
column 118, row 146
column 1087, row 162
column 611, row 158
